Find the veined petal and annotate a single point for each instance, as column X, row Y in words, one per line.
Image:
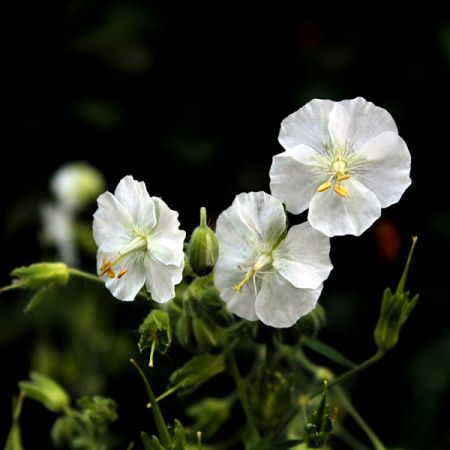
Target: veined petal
column 294, row 177
column 166, row 240
column 366, row 122
column 240, row 303
column 280, row 304
column 127, row 286
column 303, row 258
column 161, row 278
column 258, row 218
column 113, row 226
column 136, row 200
column 338, row 126
column 308, row 126
column 384, row 166
column 334, row 215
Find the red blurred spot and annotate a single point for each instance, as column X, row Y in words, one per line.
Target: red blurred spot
column 387, row 239
column 308, row 35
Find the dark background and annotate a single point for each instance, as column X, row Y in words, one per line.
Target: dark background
column 190, row 99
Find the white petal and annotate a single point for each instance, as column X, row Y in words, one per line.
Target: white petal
column 128, row 286
column 166, row 239
column 136, row 200
column 240, row 303
column 295, row 176
column 338, row 126
column 258, row 217
column 161, row 278
column 304, row 257
column 385, row 163
column 308, row 126
column 366, row 122
column 335, row 215
column 280, row 304
column 112, row 225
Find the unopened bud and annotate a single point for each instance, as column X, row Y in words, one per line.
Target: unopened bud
column 38, row 275
column 205, row 335
column 46, row 391
column 76, row 184
column 395, row 310
column 203, row 248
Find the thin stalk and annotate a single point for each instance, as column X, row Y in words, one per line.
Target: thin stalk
column 377, row 444
column 352, row 372
column 157, row 415
column 90, row 277
column 234, row 370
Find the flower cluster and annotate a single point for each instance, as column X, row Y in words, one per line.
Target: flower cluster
column 343, row 160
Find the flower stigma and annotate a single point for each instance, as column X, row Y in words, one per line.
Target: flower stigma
column 263, row 261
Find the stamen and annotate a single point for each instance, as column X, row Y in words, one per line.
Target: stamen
column 343, row 177
column 324, row 186
column 122, row 272
column 111, row 274
column 340, row 190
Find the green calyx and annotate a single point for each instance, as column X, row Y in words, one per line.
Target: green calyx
column 203, row 248
column 395, row 310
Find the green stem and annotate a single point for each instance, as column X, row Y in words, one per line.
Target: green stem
column 352, row 372
column 234, row 370
column 347, row 404
column 165, row 394
column 157, row 415
column 90, row 277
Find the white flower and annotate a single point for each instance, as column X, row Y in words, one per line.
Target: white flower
column 344, row 160
column 139, row 242
column 58, row 229
column 263, row 274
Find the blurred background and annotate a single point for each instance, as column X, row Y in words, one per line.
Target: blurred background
column 189, row 98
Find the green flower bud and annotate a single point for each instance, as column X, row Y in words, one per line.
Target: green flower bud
column 101, row 411
column 76, row 184
column 155, row 333
column 197, row 371
column 38, row 275
column 209, row 414
column 320, row 423
column 63, row 431
column 46, row 391
column 395, row 310
column 203, row 248
column 205, row 334
column 184, row 332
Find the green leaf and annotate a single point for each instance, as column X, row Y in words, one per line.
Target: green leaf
column 150, row 443
column 197, row 371
column 328, row 352
column 275, row 445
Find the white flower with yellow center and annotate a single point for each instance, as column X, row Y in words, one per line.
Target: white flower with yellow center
column 139, row 242
column 262, row 272
column 344, row 160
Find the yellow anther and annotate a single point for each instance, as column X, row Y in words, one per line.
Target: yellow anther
column 122, row 273
column 324, row 186
column 343, row 177
column 340, row 190
column 110, row 273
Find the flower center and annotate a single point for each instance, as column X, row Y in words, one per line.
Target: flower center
column 139, row 243
column 262, row 262
column 338, row 173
